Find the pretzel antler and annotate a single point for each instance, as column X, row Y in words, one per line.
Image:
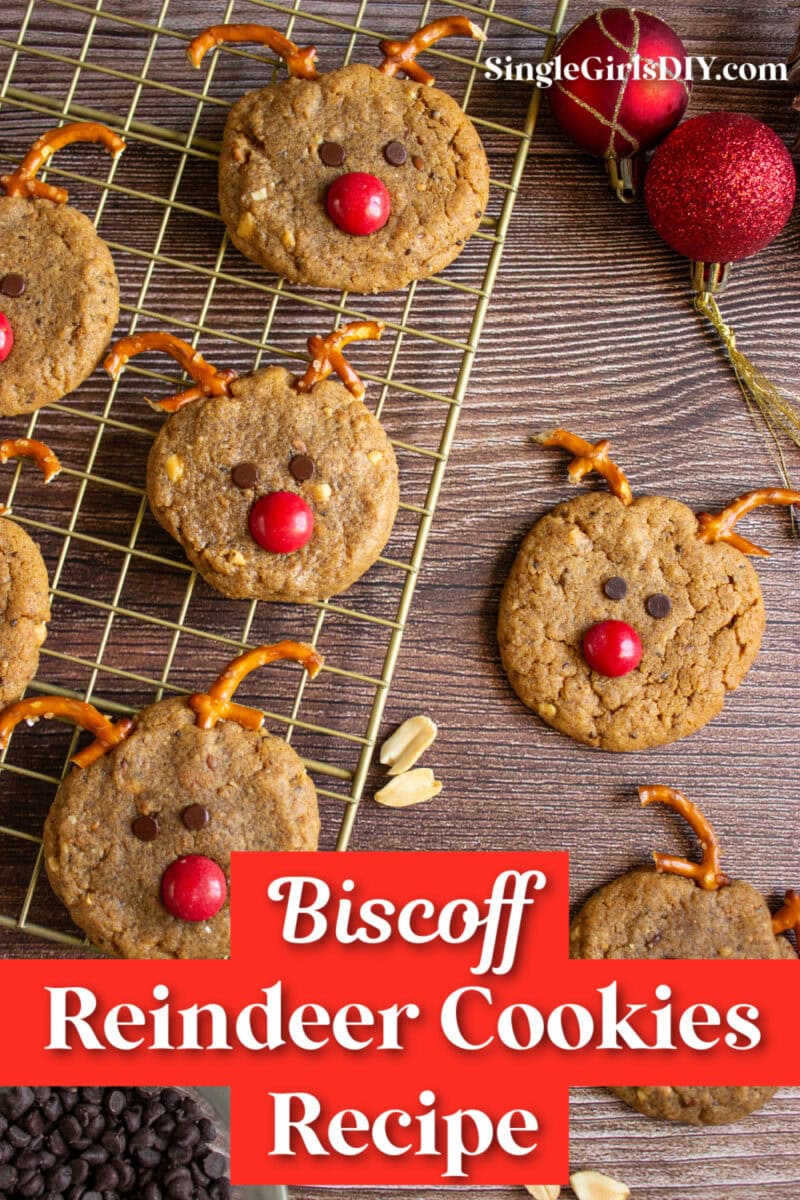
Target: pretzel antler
column 216, row 704
column 788, row 915
column 706, row 873
column 299, row 60
column 107, row 734
column 588, row 458
column 210, row 381
column 22, row 182
column 326, row 355
column 718, row 527
column 400, row 56
column 42, row 455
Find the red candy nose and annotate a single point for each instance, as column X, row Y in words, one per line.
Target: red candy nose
column 358, row 203
column 6, row 337
column 612, row 648
column 281, row 522
column 194, row 888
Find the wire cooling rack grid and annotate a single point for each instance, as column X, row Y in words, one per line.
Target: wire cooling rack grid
column 130, row 620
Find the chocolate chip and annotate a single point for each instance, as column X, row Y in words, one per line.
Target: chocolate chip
column 195, row 817
column 12, row 285
column 332, row 154
column 245, row 475
column 658, row 605
column 301, row 467
column 145, row 829
column 395, row 153
column 615, row 588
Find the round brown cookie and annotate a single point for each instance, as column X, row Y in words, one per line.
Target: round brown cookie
column 171, row 789
column 273, row 178
column 692, row 656
column 24, row 609
column 63, row 319
column 323, row 445
column 645, row 914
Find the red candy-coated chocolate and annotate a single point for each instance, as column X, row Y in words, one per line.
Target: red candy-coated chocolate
column 358, row 203
column 281, row 522
column 194, row 888
column 6, row 337
column 612, row 648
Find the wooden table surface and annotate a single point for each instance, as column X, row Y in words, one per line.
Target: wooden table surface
column 591, row 327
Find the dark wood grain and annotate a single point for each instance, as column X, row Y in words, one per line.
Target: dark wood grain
column 590, row 326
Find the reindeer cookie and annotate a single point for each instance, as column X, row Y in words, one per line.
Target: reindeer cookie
column 354, row 179
column 684, row 909
column 137, row 843
column 59, row 295
column 24, row 588
column 624, row 622
column 277, row 487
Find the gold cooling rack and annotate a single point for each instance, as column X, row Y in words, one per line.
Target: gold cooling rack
column 130, row 620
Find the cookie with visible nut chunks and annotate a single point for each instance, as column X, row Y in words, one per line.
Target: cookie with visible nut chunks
column 650, row 913
column 277, row 487
column 59, row 294
column 24, row 587
column 138, row 840
column 625, row 623
column 354, row 179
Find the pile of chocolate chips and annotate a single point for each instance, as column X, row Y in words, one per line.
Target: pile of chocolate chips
column 96, row 1143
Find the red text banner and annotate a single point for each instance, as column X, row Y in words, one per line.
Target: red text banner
column 399, row 1018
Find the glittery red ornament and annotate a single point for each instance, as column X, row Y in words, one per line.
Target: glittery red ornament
column 720, row 188
column 620, row 116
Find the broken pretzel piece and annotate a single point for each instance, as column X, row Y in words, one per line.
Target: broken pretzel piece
column 399, row 56
column 707, row 873
column 326, row 356
column 589, row 457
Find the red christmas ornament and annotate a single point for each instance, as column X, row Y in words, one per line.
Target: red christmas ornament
column 612, row 109
column 720, row 188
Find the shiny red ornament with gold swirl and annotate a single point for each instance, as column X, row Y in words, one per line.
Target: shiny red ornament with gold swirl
column 612, row 109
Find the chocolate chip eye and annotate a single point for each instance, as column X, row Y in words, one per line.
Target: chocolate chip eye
column 245, row 475
column 301, row 467
column 395, row 153
column 332, row 154
column 146, row 828
column 12, row 285
column 195, row 817
column 658, row 605
column 615, row 588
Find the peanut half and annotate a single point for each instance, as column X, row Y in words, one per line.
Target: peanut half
column 407, row 744
column 591, row 1185
column 543, row 1191
column 412, row 787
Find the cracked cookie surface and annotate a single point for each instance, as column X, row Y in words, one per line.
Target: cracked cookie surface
column 273, row 181
column 253, row 786
column 265, row 422
column 644, row 914
column 63, row 319
column 24, row 609
column 692, row 657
